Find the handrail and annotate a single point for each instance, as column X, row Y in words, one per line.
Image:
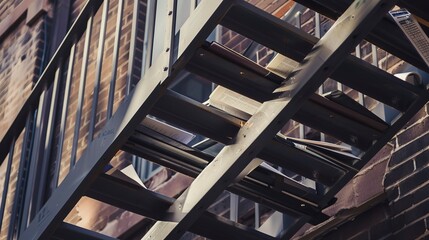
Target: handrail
column 47, row 77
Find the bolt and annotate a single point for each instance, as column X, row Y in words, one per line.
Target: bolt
column 165, row 69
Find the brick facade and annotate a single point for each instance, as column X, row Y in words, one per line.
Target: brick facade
column 21, row 54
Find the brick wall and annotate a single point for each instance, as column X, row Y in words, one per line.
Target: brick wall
column 398, row 175
column 21, row 52
column 407, row 180
column 7, row 6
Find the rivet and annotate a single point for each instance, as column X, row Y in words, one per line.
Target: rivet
column 170, row 12
column 165, row 69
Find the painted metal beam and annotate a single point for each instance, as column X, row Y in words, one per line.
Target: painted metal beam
column 130, row 197
column 236, row 160
column 153, row 205
column 126, row 119
column 258, row 186
column 68, row 231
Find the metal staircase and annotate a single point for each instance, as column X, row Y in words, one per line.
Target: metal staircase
column 248, row 142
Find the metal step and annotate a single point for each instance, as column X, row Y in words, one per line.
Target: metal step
column 184, row 160
column 134, row 198
column 277, row 152
column 294, row 43
column 385, row 35
column 319, row 113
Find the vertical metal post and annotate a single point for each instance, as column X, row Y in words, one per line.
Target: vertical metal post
column 298, row 19
column 111, row 98
column 233, row 210
column 148, row 35
column 64, row 113
column 318, row 34
column 360, row 95
column 131, row 60
column 298, row 25
column 374, row 55
column 21, row 180
column 317, row 28
column 257, row 216
column 101, row 40
column 132, row 49
column 48, row 140
column 6, row 182
column 81, row 92
column 28, row 207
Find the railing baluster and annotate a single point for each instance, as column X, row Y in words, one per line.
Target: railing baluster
column 64, row 114
column 132, row 49
column 28, row 209
column 48, row 139
column 100, row 52
column 6, row 183
column 148, row 35
column 21, row 179
column 111, row 98
column 374, row 55
column 81, row 92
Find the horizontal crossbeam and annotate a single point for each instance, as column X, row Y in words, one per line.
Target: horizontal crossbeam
column 153, row 205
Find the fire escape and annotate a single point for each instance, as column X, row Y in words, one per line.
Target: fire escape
column 248, row 142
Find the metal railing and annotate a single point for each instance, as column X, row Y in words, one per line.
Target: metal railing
column 65, row 110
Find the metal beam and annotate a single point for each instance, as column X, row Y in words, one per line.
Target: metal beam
column 130, row 197
column 235, row 160
column 153, row 205
column 125, row 120
column 68, row 231
column 259, row 186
